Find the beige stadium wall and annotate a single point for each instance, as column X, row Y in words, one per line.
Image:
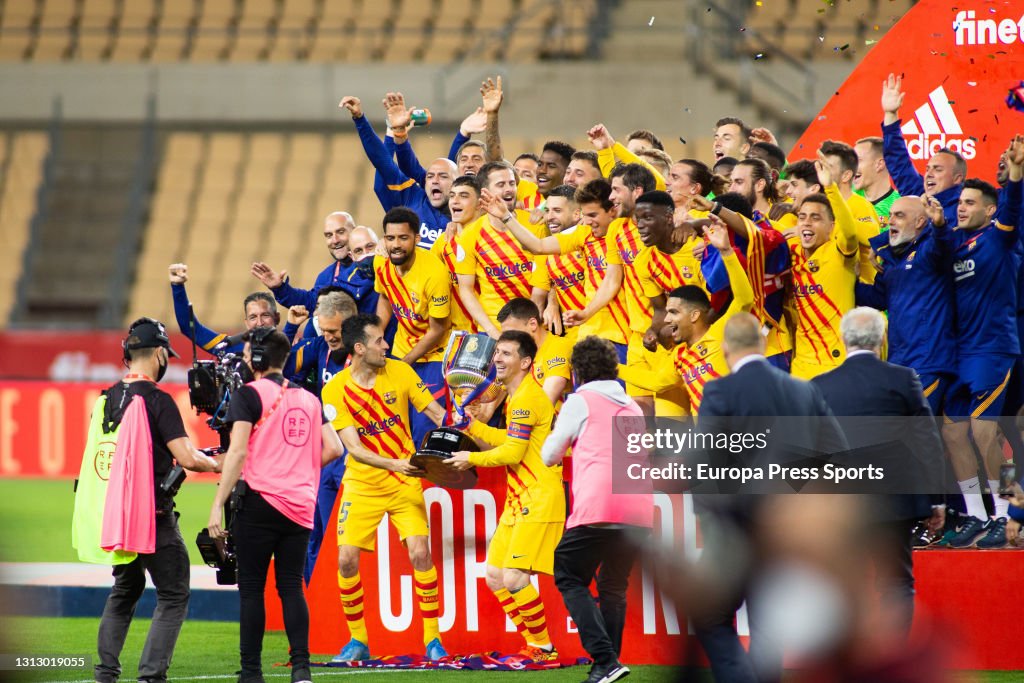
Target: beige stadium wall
column 546, row 100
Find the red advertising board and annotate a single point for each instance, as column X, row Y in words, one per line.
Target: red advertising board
column 959, row 61
column 43, row 425
column 68, row 356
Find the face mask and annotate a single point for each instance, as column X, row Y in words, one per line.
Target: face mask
column 163, row 367
column 365, row 267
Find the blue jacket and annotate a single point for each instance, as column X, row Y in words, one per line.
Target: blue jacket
column 206, row 338
column 916, row 288
column 395, row 188
column 348, row 277
column 906, row 178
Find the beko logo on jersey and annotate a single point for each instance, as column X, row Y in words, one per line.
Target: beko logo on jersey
column 971, row 31
column 428, row 235
column 963, row 269
column 935, row 126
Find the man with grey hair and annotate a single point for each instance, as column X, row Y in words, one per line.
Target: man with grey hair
column 865, row 385
column 914, row 286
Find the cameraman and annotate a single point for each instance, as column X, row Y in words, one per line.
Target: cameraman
column 146, row 353
column 279, row 440
column 259, row 307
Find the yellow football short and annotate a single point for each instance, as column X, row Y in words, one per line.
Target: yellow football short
column 529, row 546
column 360, row 514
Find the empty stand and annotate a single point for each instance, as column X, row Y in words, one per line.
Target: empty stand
column 21, row 170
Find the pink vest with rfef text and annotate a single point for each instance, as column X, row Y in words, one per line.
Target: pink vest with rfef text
column 284, row 451
column 592, row 469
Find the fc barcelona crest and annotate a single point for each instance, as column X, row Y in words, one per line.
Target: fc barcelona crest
column 390, row 397
column 813, row 266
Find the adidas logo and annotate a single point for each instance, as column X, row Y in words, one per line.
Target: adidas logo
column 935, row 126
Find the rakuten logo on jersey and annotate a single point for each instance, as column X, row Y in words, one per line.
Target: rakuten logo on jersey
column 991, row 31
column 935, row 127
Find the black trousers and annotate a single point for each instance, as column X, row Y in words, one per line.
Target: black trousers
column 609, row 553
column 261, row 532
column 894, row 567
column 168, row 567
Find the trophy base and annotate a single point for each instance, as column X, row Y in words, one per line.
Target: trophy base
column 438, row 445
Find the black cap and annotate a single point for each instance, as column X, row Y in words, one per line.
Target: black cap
column 149, row 334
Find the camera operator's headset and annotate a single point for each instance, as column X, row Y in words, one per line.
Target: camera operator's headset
column 161, row 336
column 257, row 339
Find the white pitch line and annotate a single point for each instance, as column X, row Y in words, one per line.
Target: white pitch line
column 317, row 669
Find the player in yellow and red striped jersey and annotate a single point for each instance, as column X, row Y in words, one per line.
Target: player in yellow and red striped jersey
column 489, row 256
column 589, row 236
column 534, row 514
column 415, row 288
column 698, row 356
column 823, row 277
column 463, row 203
column 767, row 262
column 628, row 182
column 551, row 367
column 842, row 160
column 368, row 404
column 562, row 274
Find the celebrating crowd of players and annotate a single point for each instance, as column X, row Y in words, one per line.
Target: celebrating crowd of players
column 653, row 255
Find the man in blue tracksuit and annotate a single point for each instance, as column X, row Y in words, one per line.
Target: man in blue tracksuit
column 325, row 356
column 260, row 311
column 343, row 272
column 946, row 170
column 915, row 259
column 429, row 200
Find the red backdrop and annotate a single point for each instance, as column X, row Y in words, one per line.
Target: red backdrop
column 958, row 60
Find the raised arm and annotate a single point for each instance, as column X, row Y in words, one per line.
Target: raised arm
column 492, row 96
column 906, row 178
column 374, row 148
column 205, row 337
column 846, row 226
column 399, row 122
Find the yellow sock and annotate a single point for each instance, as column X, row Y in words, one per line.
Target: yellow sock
column 351, row 590
column 426, row 590
column 532, row 611
column 508, row 603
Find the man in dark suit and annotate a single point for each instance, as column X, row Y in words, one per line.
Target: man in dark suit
column 750, row 400
column 865, row 385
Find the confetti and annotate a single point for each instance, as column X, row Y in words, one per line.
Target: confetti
column 651, row 22
column 759, row 55
column 822, row 118
column 682, row 140
column 687, row 110
column 870, row 42
column 821, row 39
column 971, row 111
column 972, row 83
column 759, row 3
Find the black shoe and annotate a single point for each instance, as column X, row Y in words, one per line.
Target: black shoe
column 607, row 674
column 300, row 674
column 245, row 677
